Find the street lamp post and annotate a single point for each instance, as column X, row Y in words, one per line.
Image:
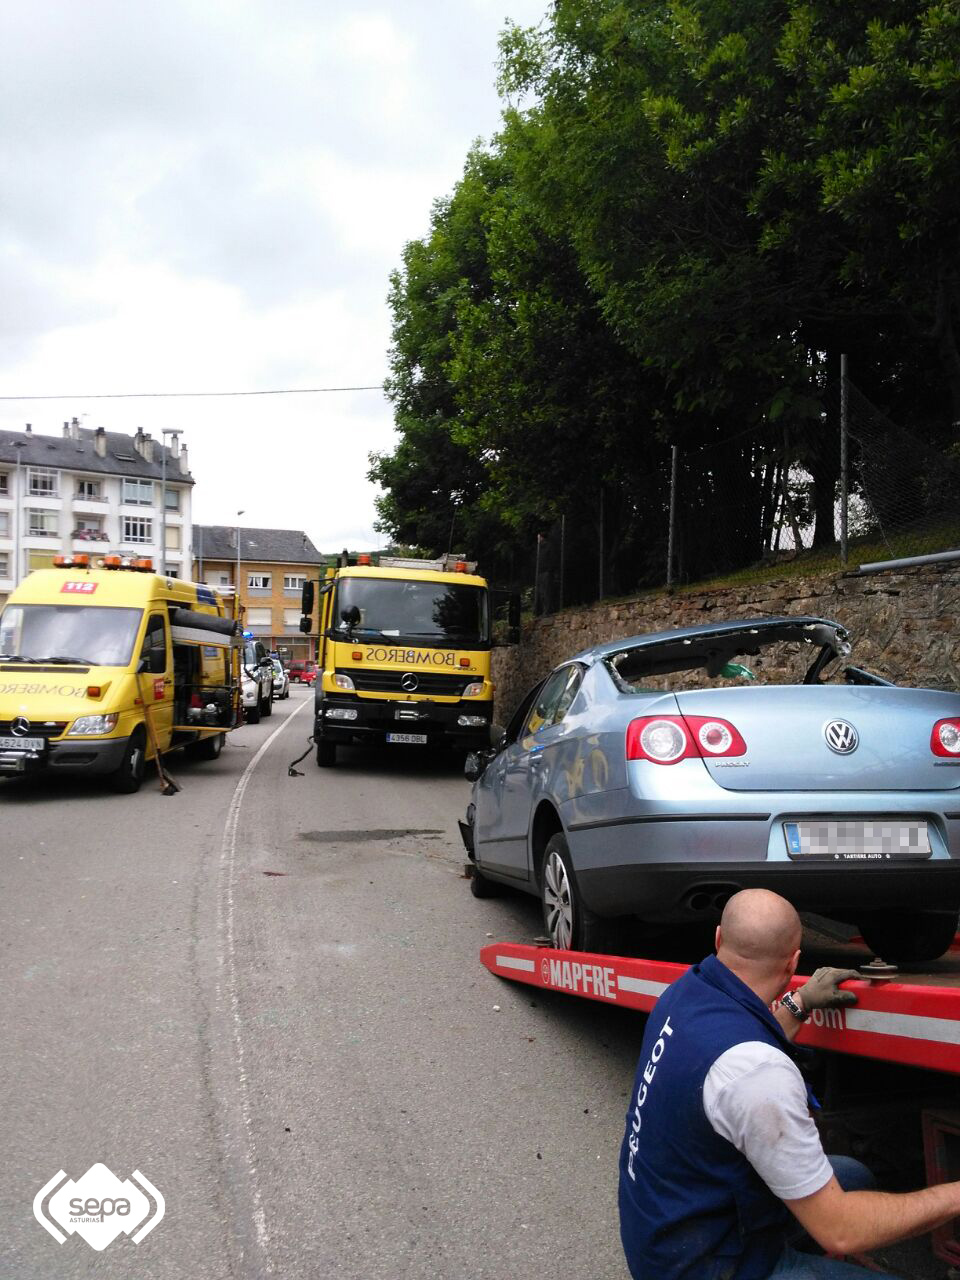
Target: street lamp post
column 19, row 445
column 175, row 432
column 239, row 514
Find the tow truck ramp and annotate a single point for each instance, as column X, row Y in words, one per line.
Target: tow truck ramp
column 915, row 1022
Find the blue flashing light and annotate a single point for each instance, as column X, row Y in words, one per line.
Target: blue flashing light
column 248, row 635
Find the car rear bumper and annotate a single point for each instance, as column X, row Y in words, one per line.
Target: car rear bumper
column 681, row 892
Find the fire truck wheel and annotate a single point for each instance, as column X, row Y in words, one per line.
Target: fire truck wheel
column 129, row 776
column 326, row 754
column 208, row 748
column 909, row 935
column 569, row 924
column 481, row 887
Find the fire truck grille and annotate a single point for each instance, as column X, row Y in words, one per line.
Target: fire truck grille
column 430, row 683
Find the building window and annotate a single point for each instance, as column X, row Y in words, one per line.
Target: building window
column 258, row 617
column 258, row 581
column 89, row 529
column 291, row 619
column 173, row 537
column 138, row 493
column 4, row 564
column 4, row 524
column 39, row 560
column 137, row 529
column 43, row 483
column 90, row 489
column 4, row 484
column 171, row 499
column 294, row 582
column 42, row 524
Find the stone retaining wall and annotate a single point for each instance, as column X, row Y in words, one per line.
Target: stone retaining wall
column 903, row 626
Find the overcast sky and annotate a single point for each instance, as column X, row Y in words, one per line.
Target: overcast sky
column 209, row 195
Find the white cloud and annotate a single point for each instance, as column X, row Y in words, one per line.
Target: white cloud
column 211, row 194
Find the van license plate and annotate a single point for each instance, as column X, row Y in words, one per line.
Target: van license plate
column 417, row 739
column 21, row 744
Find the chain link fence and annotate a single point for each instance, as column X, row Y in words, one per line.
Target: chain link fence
column 857, row 489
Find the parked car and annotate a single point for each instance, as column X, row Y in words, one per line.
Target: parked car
column 653, row 777
column 281, row 681
column 256, row 681
column 302, row 671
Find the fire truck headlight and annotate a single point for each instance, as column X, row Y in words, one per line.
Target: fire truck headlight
column 90, row 726
column 473, row 689
column 343, row 682
column 471, row 722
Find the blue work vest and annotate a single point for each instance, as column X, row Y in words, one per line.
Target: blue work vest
column 691, row 1206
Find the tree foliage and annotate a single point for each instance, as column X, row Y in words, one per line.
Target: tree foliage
column 693, row 207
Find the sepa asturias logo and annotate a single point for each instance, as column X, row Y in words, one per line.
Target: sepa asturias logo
column 98, row 1207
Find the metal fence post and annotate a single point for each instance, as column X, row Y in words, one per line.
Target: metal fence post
column 536, row 579
column 671, row 535
column 844, row 461
column 563, row 555
column 600, row 566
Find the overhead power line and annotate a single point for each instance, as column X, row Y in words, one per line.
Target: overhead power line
column 167, row 395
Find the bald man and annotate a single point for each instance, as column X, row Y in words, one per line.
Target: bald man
column 721, row 1163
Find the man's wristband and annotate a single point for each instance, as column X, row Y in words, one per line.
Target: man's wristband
column 795, row 1007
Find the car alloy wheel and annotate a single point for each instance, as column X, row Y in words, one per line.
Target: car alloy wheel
column 557, row 902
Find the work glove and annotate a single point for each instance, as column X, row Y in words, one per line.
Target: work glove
column 822, row 991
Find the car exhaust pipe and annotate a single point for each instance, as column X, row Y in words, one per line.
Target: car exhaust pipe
column 709, row 898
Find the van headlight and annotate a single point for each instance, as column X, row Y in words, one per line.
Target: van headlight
column 91, row 726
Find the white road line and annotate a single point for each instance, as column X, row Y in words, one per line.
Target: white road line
column 512, row 962
column 226, row 964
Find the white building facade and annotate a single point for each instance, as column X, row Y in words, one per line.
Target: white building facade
column 93, row 491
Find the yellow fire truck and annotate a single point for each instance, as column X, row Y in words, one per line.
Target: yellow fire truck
column 104, row 668
column 404, row 654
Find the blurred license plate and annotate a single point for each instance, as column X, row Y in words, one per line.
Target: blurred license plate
column 21, row 744
column 416, row 738
column 876, row 840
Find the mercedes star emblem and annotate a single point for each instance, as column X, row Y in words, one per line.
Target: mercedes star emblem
column 409, row 681
column 841, row 737
column 20, row 726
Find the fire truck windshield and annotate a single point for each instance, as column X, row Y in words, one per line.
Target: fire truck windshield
column 428, row 613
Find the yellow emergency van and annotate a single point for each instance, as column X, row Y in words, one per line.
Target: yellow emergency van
column 404, row 653
column 103, row 668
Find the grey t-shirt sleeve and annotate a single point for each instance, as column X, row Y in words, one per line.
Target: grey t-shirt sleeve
column 755, row 1097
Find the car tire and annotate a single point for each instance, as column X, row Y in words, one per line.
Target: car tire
column 326, row 754
column 252, row 714
column 568, row 923
column 266, row 706
column 909, row 935
column 129, row 776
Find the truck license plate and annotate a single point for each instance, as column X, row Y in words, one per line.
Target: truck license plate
column 415, row 738
column 21, row 744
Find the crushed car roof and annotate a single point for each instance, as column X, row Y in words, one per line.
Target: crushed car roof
column 741, row 635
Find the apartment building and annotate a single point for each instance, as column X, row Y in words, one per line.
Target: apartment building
column 272, row 567
column 95, row 491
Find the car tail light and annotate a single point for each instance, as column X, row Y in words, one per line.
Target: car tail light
column 667, row 739
column 945, row 739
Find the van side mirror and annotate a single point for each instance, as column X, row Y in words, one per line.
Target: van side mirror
column 474, row 765
column 306, row 600
column 497, row 735
column 306, row 624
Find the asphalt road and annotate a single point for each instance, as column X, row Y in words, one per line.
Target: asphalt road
column 264, row 993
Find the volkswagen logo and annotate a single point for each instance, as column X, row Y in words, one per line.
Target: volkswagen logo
column 841, row 737
column 20, row 726
column 409, row 681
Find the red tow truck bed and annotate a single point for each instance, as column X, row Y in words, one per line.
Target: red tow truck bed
column 913, row 1019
